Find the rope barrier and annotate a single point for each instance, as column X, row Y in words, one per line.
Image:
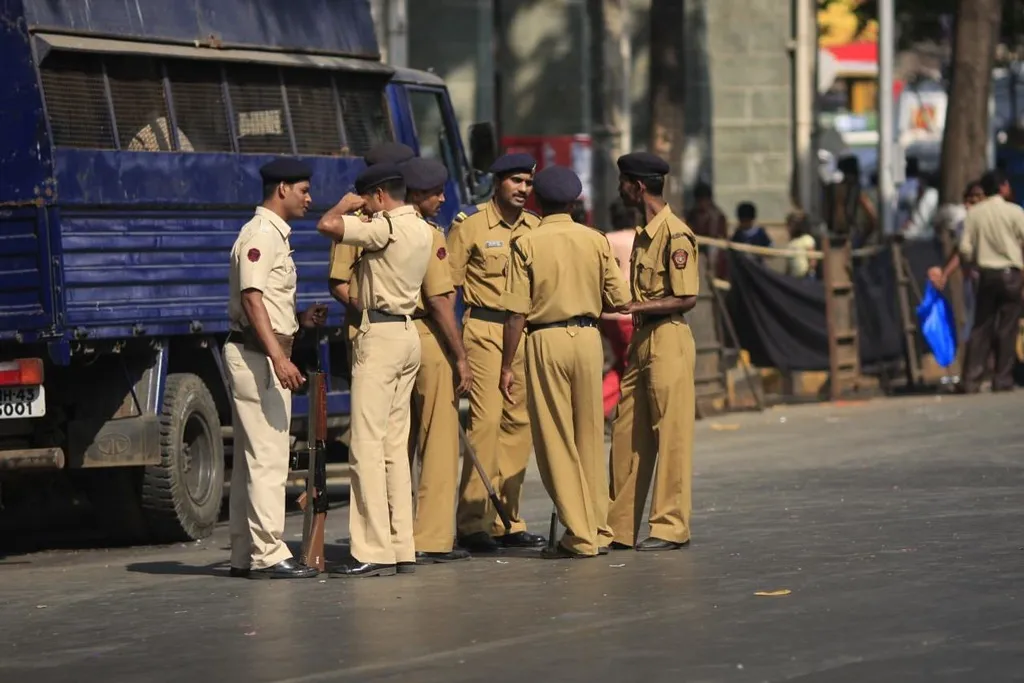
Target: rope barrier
column 781, row 251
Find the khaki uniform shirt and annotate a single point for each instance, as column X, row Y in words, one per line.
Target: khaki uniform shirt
column 261, row 259
column 438, row 279
column 561, row 270
column 664, row 259
column 994, row 234
column 396, row 249
column 478, row 251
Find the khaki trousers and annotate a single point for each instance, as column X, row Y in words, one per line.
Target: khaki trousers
column 261, row 411
column 652, row 435
column 435, row 435
column 564, row 386
column 499, row 431
column 386, row 358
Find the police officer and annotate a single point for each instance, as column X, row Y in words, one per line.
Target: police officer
column 435, row 408
column 499, row 430
column 652, row 432
column 344, row 256
column 396, row 246
column 560, row 278
column 262, row 283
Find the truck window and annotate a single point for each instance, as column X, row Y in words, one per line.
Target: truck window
column 432, row 131
column 197, row 89
column 76, row 101
column 364, row 111
column 140, row 108
column 147, row 104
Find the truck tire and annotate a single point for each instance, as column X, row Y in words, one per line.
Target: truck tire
column 181, row 497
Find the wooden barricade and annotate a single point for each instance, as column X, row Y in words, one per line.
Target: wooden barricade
column 709, row 371
column 840, row 316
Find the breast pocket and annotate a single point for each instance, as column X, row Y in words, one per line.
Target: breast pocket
column 650, row 274
column 494, row 264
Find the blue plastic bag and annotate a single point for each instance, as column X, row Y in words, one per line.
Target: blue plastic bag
column 937, row 327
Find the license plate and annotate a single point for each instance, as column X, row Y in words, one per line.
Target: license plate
column 19, row 402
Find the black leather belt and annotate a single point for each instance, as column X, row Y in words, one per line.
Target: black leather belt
column 490, row 315
column 375, row 316
column 576, row 321
column 248, row 338
column 645, row 319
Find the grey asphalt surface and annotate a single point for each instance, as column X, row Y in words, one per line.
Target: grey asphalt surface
column 894, row 525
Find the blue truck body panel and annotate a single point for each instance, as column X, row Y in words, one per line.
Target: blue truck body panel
column 100, row 244
column 285, row 24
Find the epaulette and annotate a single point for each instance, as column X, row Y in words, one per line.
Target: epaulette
column 434, row 225
column 688, row 235
column 466, row 213
column 532, row 213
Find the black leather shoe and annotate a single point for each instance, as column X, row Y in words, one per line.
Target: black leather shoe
column 615, row 545
column 453, row 555
column 560, row 552
column 239, row 572
column 652, row 543
column 406, row 567
column 285, row 569
column 362, row 569
column 480, row 542
column 603, row 550
column 522, row 539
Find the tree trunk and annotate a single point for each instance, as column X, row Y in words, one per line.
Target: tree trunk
column 965, row 141
column 667, row 87
column 607, row 72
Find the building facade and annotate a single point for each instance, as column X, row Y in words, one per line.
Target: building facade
column 525, row 64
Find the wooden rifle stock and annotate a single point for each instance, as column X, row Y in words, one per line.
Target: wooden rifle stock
column 313, row 500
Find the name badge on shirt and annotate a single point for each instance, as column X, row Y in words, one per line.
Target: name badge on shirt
column 494, row 243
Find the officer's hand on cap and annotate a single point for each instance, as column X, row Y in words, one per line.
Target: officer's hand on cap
column 314, row 316
column 351, row 202
column 288, row 375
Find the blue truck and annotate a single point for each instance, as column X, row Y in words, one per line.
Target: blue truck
column 131, row 134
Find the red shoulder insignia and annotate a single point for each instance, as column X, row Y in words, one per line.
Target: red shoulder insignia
column 441, row 254
column 679, row 258
column 253, row 255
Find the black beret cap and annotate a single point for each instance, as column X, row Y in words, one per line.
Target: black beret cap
column 388, row 153
column 642, row 165
column 521, row 162
column 376, row 175
column 423, row 174
column 285, row 171
column 557, row 184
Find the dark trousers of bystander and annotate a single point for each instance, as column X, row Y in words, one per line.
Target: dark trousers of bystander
column 997, row 311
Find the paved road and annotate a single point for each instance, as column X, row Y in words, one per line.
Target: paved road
column 895, row 525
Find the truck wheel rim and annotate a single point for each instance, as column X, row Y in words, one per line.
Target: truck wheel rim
column 197, row 465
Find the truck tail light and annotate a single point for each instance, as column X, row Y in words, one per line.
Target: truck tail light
column 21, row 372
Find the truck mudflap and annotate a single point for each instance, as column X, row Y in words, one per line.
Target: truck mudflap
column 123, row 442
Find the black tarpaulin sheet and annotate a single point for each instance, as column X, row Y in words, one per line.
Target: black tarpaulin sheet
column 780, row 320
